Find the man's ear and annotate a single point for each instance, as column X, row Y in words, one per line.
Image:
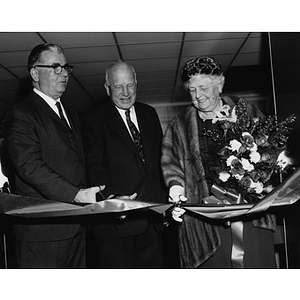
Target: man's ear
column 34, row 74
column 107, row 89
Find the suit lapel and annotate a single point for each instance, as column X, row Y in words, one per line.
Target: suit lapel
column 118, row 124
column 48, row 110
column 70, row 119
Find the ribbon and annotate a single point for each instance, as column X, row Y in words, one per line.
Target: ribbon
column 22, row 206
column 236, row 228
column 287, row 193
column 230, row 195
column 237, row 250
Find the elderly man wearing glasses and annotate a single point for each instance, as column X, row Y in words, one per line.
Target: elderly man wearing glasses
column 44, row 143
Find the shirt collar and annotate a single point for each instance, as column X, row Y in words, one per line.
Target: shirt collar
column 48, row 99
column 122, row 111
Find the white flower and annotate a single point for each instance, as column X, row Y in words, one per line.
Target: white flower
column 254, row 147
column 218, row 117
column 257, row 186
column 224, row 115
column 247, row 165
column 225, row 109
column 214, row 120
column 283, row 160
column 235, row 145
column 224, row 176
column 238, row 176
column 269, row 188
column 230, row 159
column 233, row 116
column 254, row 157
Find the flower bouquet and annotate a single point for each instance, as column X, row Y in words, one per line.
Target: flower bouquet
column 246, row 155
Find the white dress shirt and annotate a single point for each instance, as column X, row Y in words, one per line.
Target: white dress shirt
column 132, row 117
column 52, row 103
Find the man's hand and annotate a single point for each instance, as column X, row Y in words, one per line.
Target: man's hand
column 123, row 197
column 88, row 195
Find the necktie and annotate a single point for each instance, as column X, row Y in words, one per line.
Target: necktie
column 135, row 135
column 61, row 113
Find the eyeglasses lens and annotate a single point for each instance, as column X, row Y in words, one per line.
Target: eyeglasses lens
column 58, row 69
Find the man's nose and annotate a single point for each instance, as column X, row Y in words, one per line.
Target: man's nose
column 64, row 72
column 125, row 91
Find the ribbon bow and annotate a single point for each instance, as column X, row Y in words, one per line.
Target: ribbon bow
column 230, row 195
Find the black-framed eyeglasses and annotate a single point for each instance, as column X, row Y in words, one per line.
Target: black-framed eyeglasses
column 57, row 68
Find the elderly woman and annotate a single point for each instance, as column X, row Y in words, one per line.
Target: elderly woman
column 204, row 243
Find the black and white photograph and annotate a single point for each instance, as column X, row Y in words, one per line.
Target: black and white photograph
column 134, row 152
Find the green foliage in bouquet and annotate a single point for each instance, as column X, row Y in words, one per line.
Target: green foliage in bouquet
column 245, row 153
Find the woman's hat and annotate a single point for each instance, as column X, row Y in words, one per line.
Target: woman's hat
column 201, row 65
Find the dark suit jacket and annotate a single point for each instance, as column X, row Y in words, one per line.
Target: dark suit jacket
column 112, row 159
column 48, row 161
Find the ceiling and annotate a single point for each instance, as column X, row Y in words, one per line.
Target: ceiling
column 156, row 56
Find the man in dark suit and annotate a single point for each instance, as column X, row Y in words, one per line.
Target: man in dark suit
column 45, row 146
column 126, row 163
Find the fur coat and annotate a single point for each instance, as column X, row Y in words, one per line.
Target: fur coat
column 182, row 165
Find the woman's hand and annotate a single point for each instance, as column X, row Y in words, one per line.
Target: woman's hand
column 177, row 212
column 176, row 195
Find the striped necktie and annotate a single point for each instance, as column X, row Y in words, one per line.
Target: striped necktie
column 135, row 135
